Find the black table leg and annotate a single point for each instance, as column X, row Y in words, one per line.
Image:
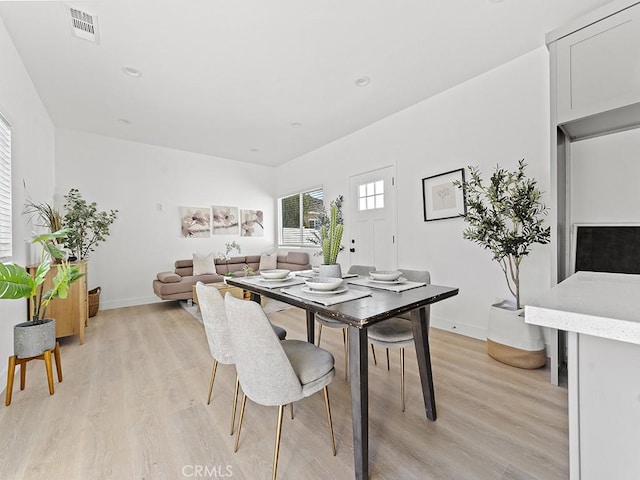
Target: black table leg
column 311, row 327
column 421, row 341
column 359, row 373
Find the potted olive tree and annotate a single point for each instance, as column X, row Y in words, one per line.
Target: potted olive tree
column 33, row 337
column 505, row 216
column 87, row 227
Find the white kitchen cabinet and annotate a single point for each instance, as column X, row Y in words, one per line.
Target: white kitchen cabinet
column 598, row 66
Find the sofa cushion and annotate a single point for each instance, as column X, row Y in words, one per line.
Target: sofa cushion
column 301, row 258
column 268, row 262
column 169, row 277
column 203, row 264
column 187, row 263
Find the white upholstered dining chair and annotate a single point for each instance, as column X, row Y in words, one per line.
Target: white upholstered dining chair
column 331, row 323
column 274, row 372
column 216, row 329
column 397, row 332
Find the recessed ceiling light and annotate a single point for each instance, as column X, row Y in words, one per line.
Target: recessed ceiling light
column 124, row 121
column 362, row 81
column 296, row 125
column 132, row 72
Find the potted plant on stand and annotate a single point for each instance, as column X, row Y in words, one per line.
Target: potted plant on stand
column 329, row 240
column 506, row 217
column 33, row 337
column 87, row 227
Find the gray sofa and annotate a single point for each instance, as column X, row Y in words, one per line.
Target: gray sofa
column 178, row 285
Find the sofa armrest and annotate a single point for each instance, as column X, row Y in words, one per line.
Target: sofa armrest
column 169, row 277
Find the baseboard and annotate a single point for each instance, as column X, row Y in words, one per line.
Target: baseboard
column 128, row 302
column 458, row 327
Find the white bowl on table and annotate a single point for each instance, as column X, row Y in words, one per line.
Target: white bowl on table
column 324, row 284
column 275, row 274
column 386, row 275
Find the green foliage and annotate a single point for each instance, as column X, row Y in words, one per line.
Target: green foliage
column 505, row 217
column 15, row 281
column 88, row 227
column 47, row 215
column 331, row 233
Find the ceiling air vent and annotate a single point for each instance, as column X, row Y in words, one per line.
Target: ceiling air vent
column 84, row 24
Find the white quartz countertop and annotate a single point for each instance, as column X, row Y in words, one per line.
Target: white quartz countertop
column 601, row 304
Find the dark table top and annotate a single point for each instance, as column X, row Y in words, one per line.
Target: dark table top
column 382, row 304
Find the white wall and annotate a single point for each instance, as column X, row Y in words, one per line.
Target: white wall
column 497, row 118
column 32, row 163
column 604, row 179
column 137, row 179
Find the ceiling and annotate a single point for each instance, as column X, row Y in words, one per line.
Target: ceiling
column 264, row 81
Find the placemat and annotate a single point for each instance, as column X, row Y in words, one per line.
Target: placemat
column 287, row 282
column 311, row 274
column 327, row 300
column 394, row 287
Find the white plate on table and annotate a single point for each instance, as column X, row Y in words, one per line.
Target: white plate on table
column 288, row 277
column 340, row 289
column 388, row 282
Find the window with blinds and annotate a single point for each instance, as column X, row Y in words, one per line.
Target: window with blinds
column 299, row 217
column 5, row 189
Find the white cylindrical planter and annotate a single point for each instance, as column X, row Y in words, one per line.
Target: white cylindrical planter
column 512, row 341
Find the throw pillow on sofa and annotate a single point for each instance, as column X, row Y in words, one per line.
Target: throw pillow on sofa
column 268, row 262
column 203, row 264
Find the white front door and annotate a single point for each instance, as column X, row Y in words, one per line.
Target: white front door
column 373, row 212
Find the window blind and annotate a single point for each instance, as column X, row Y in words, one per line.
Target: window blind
column 5, row 189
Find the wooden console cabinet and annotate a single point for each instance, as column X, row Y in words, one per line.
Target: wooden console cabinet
column 71, row 313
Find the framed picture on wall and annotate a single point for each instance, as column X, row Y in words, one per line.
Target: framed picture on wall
column 225, row 220
column 195, row 222
column 441, row 198
column 252, row 223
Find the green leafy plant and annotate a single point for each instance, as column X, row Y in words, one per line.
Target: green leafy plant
column 331, row 233
column 505, row 217
column 87, row 226
column 43, row 215
column 16, row 282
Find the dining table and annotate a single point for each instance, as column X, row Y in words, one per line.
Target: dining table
column 360, row 305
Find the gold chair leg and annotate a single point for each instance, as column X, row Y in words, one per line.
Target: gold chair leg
column 346, row 353
column 244, row 402
column 388, row 360
column 374, row 355
column 278, row 435
column 291, row 405
column 213, row 378
column 402, row 376
column 235, row 404
column 319, row 333
column 328, row 407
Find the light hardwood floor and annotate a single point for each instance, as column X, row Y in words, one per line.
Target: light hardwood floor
column 133, row 406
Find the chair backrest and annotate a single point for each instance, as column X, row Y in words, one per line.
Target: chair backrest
column 214, row 319
column 417, row 276
column 361, row 269
column 264, row 370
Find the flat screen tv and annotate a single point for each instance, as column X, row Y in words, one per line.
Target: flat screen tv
column 607, row 248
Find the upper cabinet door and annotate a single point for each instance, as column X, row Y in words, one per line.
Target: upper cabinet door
column 598, row 67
